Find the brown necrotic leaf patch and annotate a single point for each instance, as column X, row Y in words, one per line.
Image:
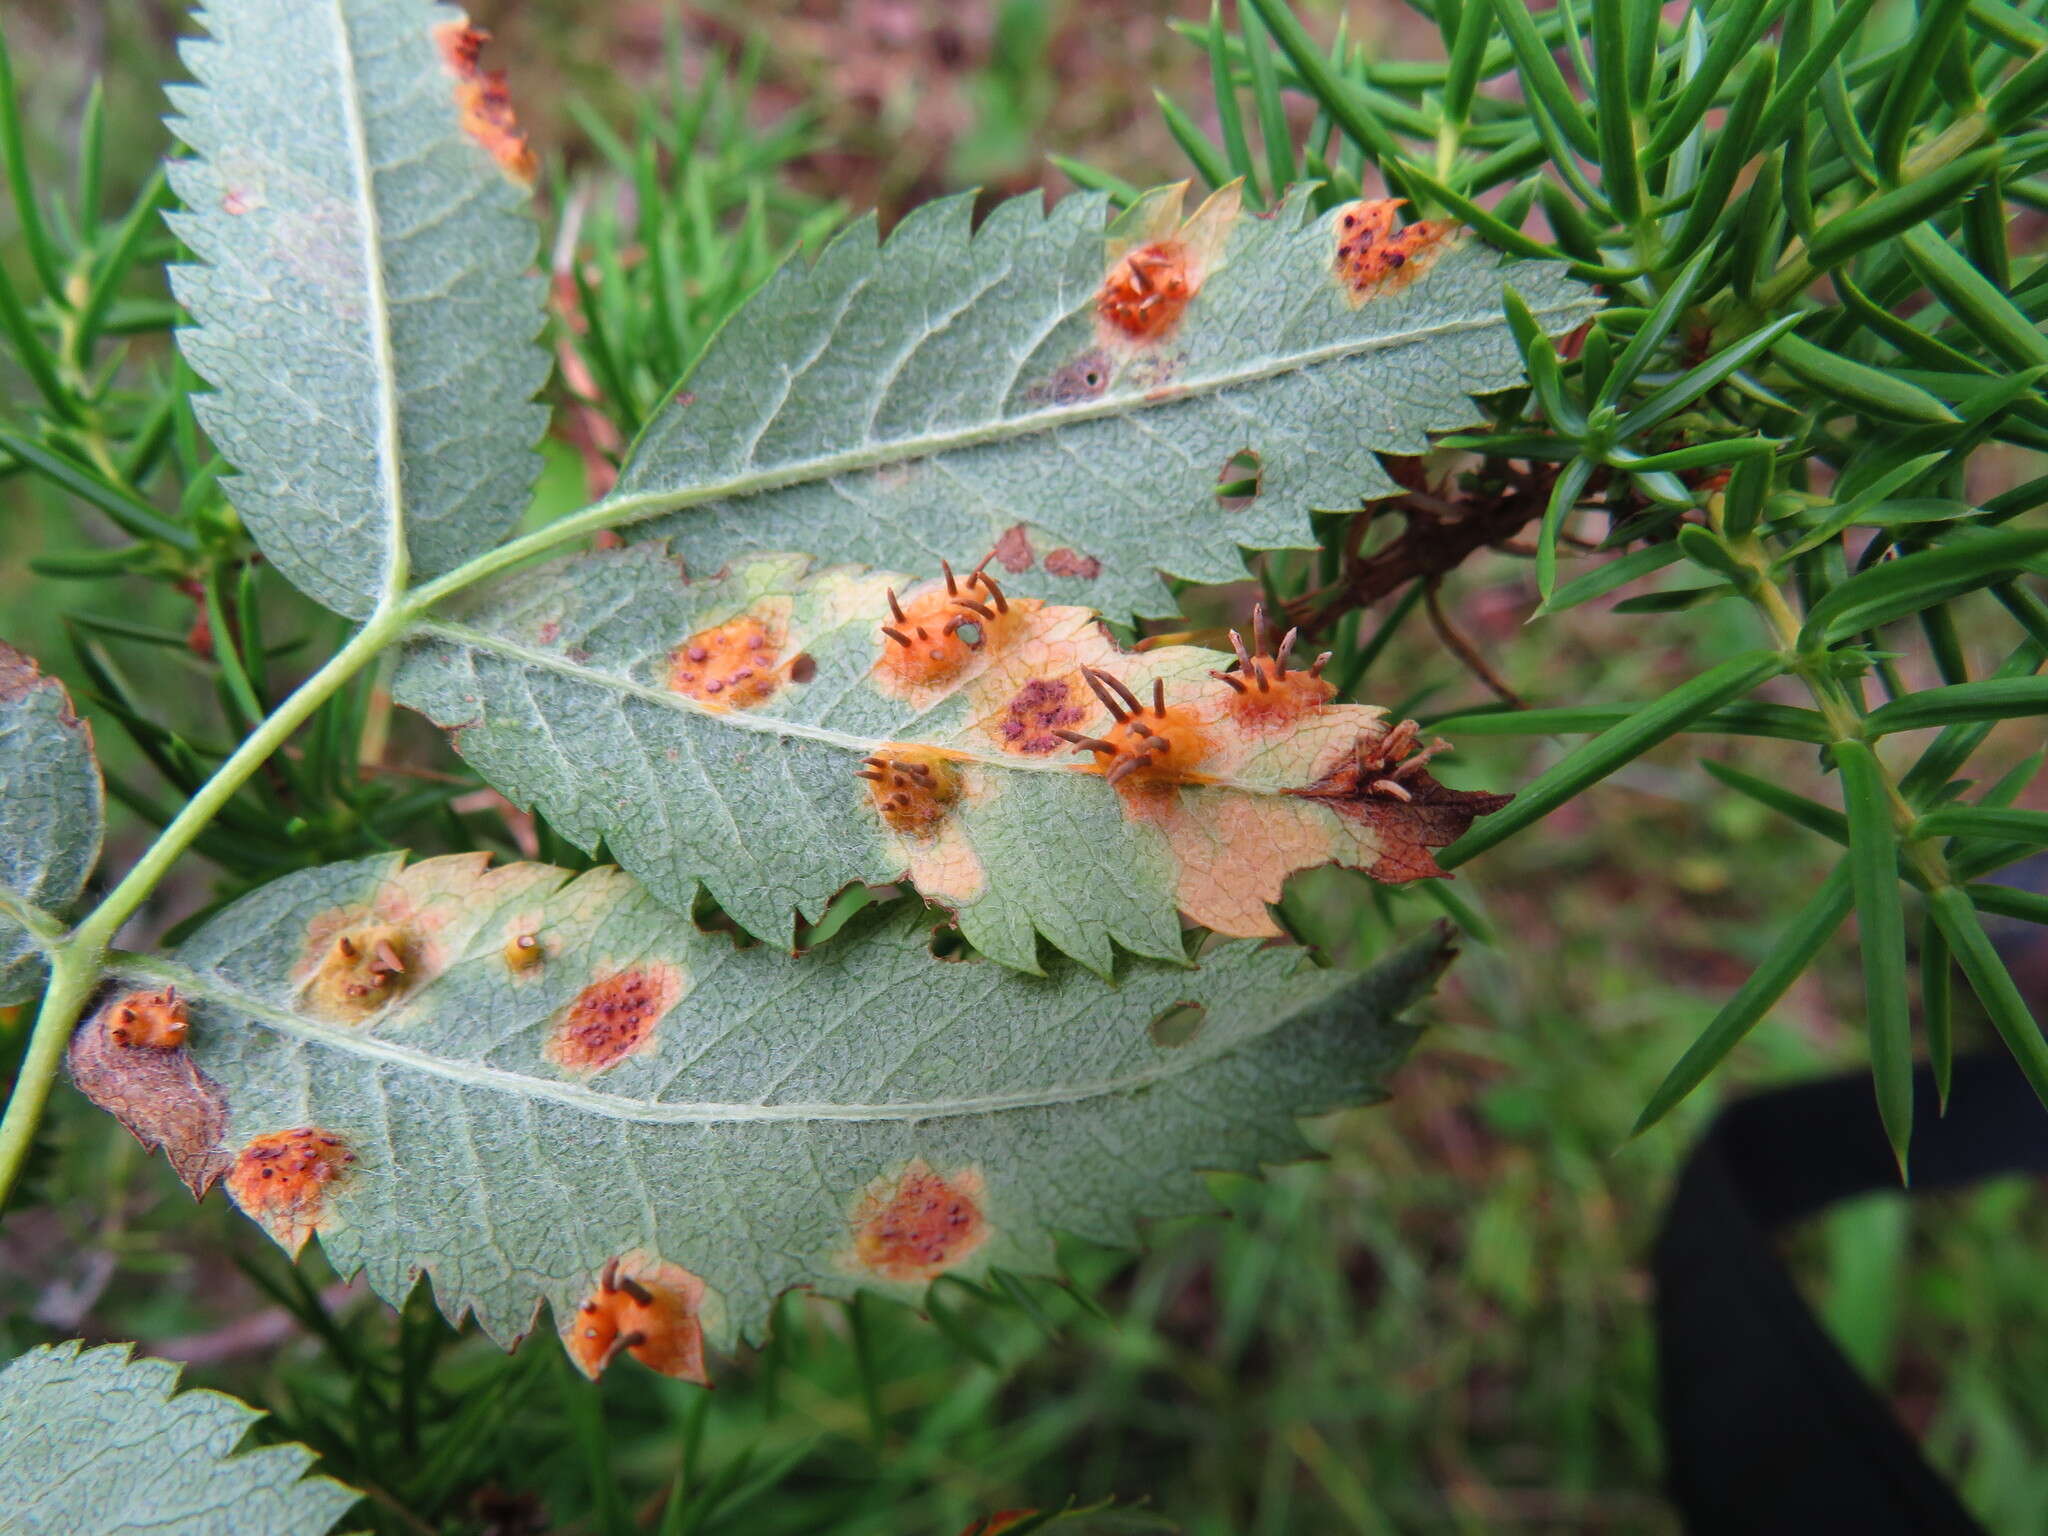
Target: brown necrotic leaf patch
column 1373, row 256
column 1384, row 784
column 158, row 1093
column 734, row 665
column 484, row 101
column 284, row 1181
column 1072, row 564
column 645, row 1308
column 920, row 1224
column 614, row 1017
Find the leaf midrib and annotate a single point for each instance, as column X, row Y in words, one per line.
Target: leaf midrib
column 213, row 988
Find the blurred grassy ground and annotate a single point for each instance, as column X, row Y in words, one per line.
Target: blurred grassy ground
column 1445, row 1326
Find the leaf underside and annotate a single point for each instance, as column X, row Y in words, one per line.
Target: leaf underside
column 94, row 1441
column 52, row 813
column 544, row 1073
column 955, row 391
column 366, row 304
column 586, row 688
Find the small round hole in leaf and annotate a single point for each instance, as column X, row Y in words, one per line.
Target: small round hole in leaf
column 1178, row 1026
column 1237, row 483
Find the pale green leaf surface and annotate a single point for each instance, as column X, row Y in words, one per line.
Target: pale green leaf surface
column 928, row 396
column 95, row 1443
column 739, row 1139
column 557, row 686
column 366, row 303
column 52, row 813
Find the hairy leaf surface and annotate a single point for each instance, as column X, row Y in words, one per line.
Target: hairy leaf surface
column 366, row 307
column 52, row 812
column 717, row 733
column 1007, row 388
column 94, row 1443
column 510, row 1077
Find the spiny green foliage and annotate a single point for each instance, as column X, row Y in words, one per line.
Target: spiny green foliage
column 54, row 815
column 93, row 1441
column 364, row 305
column 511, row 1117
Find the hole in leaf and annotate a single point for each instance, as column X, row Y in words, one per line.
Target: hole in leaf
column 1178, row 1026
column 1237, row 485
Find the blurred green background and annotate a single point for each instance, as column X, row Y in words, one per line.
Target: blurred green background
column 1443, row 1327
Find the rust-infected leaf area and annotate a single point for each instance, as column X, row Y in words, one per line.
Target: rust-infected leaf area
column 363, row 968
column 1385, row 784
column 153, row 1021
column 1266, row 697
column 734, row 665
column 1156, row 266
column 920, row 1224
column 614, row 1017
column 156, row 1091
column 359, row 962
column 283, row 1182
column 645, row 1308
column 1072, row 564
column 524, row 952
column 1374, row 256
column 1040, row 709
column 484, row 100
column 912, row 787
column 1151, row 745
column 938, row 631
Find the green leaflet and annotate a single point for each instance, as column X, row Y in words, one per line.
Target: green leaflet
column 52, row 812
column 954, row 391
column 92, row 1441
column 366, row 303
column 570, row 687
column 733, row 1108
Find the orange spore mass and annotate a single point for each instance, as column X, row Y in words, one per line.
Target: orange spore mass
column 911, row 787
column 1147, row 291
column 1373, row 254
column 154, row 1021
column 920, row 1226
column 483, row 100
column 1151, row 745
column 282, row 1179
column 365, row 967
column 1271, row 690
column 930, row 637
column 612, row 1018
column 735, row 665
column 646, row 1310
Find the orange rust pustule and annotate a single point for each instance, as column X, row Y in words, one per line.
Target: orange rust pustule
column 1037, row 712
column 920, row 1226
column 364, row 968
column 1152, row 743
column 1265, row 695
column 154, row 1021
column 1147, row 291
column 912, row 787
column 930, row 638
column 735, row 665
column 524, row 952
column 283, row 1179
column 484, row 101
column 649, row 1311
column 613, row 1018
column 1372, row 254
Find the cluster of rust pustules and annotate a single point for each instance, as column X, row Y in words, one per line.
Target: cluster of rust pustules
column 972, row 613
column 609, row 1284
column 901, row 775
column 382, row 965
column 1399, row 759
column 1253, row 664
column 1152, row 744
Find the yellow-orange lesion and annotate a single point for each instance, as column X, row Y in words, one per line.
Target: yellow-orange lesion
column 1151, row 742
column 734, row 665
column 644, row 1308
column 156, row 1021
column 911, row 787
column 365, row 966
column 935, row 635
column 1373, row 255
column 1265, row 696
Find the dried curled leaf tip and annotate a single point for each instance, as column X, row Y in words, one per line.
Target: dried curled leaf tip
column 155, row 1021
column 933, row 636
column 1150, row 743
column 1373, row 255
column 283, row 1180
column 644, row 1308
column 1264, row 693
column 911, row 787
column 363, row 969
column 919, row 1225
column 484, row 101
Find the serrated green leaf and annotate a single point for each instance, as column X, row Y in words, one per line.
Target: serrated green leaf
column 52, row 814
column 366, row 301
column 96, row 1443
column 577, row 688
column 509, row 1118
column 956, row 391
